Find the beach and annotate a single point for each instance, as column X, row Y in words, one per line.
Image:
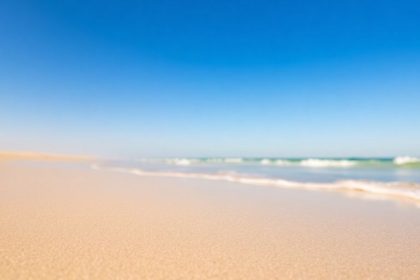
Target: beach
column 61, row 219
column 209, row 140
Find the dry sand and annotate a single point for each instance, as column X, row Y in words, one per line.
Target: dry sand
column 34, row 156
column 76, row 223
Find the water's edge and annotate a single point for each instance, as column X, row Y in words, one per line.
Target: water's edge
column 401, row 191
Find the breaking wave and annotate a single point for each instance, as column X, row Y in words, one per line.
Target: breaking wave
column 397, row 162
column 327, row 163
column 406, row 160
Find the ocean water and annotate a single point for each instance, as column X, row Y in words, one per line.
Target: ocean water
column 389, row 178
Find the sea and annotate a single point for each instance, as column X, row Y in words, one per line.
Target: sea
column 395, row 178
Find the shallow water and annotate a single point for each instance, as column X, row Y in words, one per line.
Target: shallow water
column 396, row 178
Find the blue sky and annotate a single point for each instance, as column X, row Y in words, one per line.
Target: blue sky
column 211, row 78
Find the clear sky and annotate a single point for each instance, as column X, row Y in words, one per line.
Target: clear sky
column 211, row 78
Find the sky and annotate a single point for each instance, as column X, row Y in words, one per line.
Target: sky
column 162, row 78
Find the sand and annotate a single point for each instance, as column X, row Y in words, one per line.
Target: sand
column 71, row 222
column 36, row 156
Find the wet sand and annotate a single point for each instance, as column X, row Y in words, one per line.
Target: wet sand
column 58, row 222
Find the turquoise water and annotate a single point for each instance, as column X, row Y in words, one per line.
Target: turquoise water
column 389, row 177
column 301, row 169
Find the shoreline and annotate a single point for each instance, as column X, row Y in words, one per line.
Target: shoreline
column 402, row 192
column 75, row 223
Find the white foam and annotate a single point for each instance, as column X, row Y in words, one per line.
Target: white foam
column 179, row 161
column 266, row 162
column 279, row 162
column 322, row 163
column 379, row 190
column 406, row 160
column 282, row 162
column 233, row 160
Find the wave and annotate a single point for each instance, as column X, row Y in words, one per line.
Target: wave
column 278, row 162
column 406, row 160
column 233, row 160
column 190, row 161
column 383, row 190
column 397, row 162
column 318, row 163
column 179, row 161
column 310, row 162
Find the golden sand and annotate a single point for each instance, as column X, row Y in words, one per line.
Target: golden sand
column 35, row 156
column 68, row 223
